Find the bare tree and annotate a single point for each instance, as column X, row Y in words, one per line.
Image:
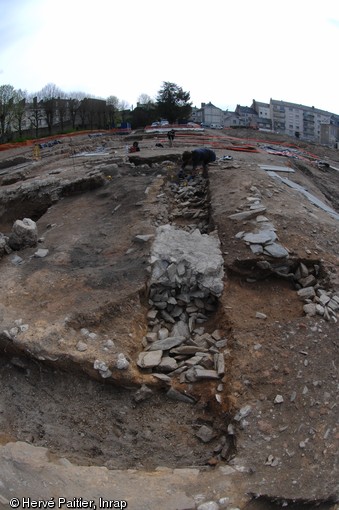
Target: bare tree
column 49, row 95
column 74, row 104
column 19, row 110
column 145, row 100
column 123, row 107
column 7, row 93
column 62, row 110
column 112, row 107
column 36, row 115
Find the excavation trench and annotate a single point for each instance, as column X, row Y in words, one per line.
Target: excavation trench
column 180, row 419
column 183, row 414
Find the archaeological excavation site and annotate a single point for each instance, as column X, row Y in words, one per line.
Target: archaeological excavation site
column 170, row 340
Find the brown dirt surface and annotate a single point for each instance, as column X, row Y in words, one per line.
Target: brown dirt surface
column 89, row 210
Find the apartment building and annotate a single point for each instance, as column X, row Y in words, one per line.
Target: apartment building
column 296, row 120
column 305, row 122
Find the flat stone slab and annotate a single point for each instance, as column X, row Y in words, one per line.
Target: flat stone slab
column 167, row 343
column 260, row 238
column 246, row 215
column 149, row 359
column 199, row 253
column 201, row 373
column 276, row 250
column 277, row 168
column 313, row 199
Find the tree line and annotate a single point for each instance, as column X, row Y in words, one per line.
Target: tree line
column 52, row 111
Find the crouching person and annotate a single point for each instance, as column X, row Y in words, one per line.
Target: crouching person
column 198, row 157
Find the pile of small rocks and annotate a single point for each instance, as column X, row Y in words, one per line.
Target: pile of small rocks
column 192, row 356
column 264, row 239
column 186, row 281
column 191, row 204
column 318, row 301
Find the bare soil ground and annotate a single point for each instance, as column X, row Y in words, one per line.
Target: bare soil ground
column 89, row 210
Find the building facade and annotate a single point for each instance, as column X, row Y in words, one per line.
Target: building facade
column 300, row 121
column 296, row 120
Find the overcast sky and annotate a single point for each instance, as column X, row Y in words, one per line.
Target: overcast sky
column 224, row 51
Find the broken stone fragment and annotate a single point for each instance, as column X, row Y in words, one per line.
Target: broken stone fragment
column 100, row 365
column 209, row 505
column 260, row 238
column 301, row 272
column 308, row 281
column 4, row 248
column 201, row 373
column 167, row 364
column 219, row 363
column 151, row 337
column 41, row 253
column 180, row 328
column 206, row 434
column 143, row 238
column 320, row 310
column 143, row 393
column 162, row 377
column 217, row 334
column 177, row 395
column 149, row 359
column 162, row 333
column 310, row 309
column 306, row 293
column 152, row 314
column 122, row 363
column 333, row 304
column 243, row 413
column 195, row 360
column 276, row 250
column 166, row 343
column 167, row 317
column 324, row 299
column 81, row 346
column 102, row 368
column 24, row 233
column 247, row 214
column 256, row 249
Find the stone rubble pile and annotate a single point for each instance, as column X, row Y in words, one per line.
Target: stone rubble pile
column 24, row 233
column 186, row 281
column 191, row 203
column 264, row 240
column 318, row 301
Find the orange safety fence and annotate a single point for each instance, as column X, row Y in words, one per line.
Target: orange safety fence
column 29, row 143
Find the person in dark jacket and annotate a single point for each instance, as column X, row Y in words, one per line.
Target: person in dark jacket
column 198, row 157
column 170, row 136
